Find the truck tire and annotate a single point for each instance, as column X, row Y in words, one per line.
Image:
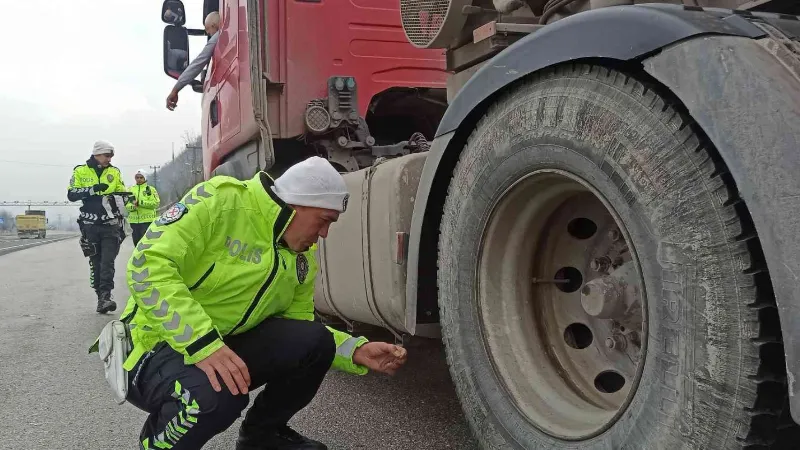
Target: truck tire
column 601, row 284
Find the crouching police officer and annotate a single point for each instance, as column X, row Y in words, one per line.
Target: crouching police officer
column 222, row 303
column 141, row 206
column 100, row 218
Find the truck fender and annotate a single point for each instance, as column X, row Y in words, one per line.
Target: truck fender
column 746, row 98
column 620, row 33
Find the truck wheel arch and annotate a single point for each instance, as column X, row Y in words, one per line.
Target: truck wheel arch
column 607, row 35
column 604, row 34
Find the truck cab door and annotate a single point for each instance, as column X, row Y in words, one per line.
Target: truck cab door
column 222, row 82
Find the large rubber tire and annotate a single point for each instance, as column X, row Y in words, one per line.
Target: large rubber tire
column 714, row 373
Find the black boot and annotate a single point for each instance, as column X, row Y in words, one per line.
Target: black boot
column 282, row 438
column 104, row 302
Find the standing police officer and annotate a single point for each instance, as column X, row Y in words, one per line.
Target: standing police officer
column 100, row 218
column 222, row 302
column 142, row 206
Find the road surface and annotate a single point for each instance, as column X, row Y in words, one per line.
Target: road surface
column 53, row 394
column 11, row 243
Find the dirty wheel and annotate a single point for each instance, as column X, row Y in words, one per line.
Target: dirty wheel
column 601, row 285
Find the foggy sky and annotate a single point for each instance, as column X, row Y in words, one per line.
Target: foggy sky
column 74, row 72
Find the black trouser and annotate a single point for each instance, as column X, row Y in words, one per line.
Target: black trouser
column 290, row 356
column 107, row 239
column 138, row 231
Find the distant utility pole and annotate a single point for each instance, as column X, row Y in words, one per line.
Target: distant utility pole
column 195, row 170
column 155, row 176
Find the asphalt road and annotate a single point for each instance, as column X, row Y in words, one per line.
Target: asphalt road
column 11, row 243
column 53, row 394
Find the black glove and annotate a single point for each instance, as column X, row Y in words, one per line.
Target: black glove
column 98, row 188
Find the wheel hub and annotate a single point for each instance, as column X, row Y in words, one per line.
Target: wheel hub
column 562, row 304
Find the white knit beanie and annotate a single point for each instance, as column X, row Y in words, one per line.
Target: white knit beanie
column 313, row 182
column 102, row 148
column 141, row 172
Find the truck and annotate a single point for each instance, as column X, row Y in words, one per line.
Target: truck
column 595, row 212
column 31, row 224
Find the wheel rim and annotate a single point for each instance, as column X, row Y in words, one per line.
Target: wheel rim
column 569, row 353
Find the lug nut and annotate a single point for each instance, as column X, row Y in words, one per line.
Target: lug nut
column 600, row 264
column 616, row 342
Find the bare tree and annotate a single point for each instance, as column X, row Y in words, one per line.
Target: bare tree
column 178, row 176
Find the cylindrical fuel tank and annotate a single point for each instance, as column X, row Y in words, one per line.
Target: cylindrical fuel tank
column 362, row 261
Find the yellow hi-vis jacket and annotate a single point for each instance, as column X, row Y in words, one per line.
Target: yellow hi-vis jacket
column 213, row 265
column 148, row 199
column 96, row 209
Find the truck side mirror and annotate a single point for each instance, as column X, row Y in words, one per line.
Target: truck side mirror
column 176, row 50
column 173, row 12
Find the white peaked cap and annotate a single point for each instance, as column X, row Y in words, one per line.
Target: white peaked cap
column 313, row 182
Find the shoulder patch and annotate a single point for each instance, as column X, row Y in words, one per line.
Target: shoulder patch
column 302, row 268
column 344, row 202
column 173, row 214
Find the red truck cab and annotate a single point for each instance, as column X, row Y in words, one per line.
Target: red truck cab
column 292, row 78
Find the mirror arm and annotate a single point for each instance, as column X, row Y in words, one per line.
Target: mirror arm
column 195, row 32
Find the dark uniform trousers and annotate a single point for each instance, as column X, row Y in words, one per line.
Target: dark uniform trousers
column 290, row 357
column 107, row 239
column 138, row 230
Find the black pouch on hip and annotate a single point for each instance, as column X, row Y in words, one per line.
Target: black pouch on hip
column 89, row 249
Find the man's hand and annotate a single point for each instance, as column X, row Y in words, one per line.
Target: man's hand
column 136, row 203
column 380, row 356
column 172, row 100
column 230, row 367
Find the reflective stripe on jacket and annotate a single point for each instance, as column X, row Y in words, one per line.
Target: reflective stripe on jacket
column 148, row 199
column 213, row 265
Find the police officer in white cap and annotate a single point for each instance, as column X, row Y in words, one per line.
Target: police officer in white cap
column 100, row 219
column 222, row 303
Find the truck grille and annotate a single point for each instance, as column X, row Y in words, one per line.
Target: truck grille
column 424, row 19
